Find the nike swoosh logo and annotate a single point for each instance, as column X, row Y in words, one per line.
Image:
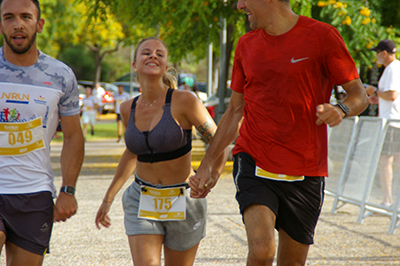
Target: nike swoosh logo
column 298, row 60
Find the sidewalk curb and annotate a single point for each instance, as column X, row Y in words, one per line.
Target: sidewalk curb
column 195, row 164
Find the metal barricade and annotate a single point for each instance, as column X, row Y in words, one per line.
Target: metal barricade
column 339, row 142
column 360, row 164
column 364, row 166
column 386, row 181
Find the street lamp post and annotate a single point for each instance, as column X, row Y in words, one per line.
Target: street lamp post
column 222, row 71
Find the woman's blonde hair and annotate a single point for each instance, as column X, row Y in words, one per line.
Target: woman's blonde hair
column 169, row 78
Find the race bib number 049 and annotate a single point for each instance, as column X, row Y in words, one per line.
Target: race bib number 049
column 162, row 204
column 21, row 138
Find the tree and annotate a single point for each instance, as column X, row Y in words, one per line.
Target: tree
column 359, row 25
column 389, row 10
column 101, row 34
column 186, row 26
column 69, row 23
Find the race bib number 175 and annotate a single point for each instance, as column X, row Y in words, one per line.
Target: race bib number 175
column 164, row 204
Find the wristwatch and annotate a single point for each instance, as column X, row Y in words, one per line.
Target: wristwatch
column 68, row 190
column 344, row 109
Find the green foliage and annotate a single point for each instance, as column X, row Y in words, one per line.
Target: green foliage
column 302, row 7
column 102, row 131
column 390, row 10
column 61, row 25
column 187, row 26
column 117, row 65
column 359, row 26
column 80, row 60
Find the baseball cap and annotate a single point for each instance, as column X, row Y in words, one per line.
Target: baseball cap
column 386, row 45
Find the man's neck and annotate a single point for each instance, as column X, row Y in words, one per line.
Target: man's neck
column 282, row 23
column 389, row 61
column 27, row 59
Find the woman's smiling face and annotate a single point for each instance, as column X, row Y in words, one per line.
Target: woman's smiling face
column 151, row 58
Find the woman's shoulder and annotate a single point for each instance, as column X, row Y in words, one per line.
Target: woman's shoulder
column 185, row 102
column 126, row 105
column 182, row 95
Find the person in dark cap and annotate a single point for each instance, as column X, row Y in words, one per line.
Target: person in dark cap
column 386, row 45
column 386, row 95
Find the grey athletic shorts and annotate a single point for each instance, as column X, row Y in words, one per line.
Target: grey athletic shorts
column 391, row 145
column 178, row 235
column 297, row 205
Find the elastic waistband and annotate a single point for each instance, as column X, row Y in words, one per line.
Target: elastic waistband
column 144, row 183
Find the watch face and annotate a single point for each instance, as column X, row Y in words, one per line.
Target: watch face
column 68, row 190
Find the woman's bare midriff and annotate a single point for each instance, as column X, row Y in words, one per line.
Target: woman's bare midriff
column 166, row 172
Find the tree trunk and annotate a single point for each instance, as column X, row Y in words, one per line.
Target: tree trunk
column 97, row 64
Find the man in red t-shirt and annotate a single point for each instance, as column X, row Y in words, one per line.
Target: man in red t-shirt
column 283, row 75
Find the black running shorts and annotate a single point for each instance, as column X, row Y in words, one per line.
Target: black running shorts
column 297, row 205
column 27, row 220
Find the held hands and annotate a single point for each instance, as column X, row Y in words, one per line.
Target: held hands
column 370, row 90
column 65, row 207
column 373, row 99
column 102, row 217
column 329, row 114
column 201, row 183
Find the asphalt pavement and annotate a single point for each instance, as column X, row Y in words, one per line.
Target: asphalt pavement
column 339, row 239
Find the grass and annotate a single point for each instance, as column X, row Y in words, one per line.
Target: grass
column 101, row 131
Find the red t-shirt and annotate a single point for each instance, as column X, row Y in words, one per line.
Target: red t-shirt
column 283, row 79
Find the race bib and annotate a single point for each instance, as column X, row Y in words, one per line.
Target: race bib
column 21, row 138
column 278, row 177
column 162, row 204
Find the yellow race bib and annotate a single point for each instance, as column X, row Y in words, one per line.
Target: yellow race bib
column 21, row 138
column 278, row 177
column 162, row 204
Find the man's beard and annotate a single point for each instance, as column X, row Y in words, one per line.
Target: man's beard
column 20, row 49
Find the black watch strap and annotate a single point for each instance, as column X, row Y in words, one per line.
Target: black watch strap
column 344, row 109
column 68, row 189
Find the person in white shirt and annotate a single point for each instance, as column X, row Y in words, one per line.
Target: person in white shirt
column 89, row 110
column 389, row 107
column 99, row 92
column 119, row 98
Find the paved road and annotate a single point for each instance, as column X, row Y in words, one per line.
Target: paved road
column 339, row 240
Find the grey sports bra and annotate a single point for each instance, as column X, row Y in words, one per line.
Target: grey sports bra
column 166, row 141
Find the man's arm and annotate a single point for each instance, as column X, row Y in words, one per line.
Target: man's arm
column 356, row 101
column 389, row 95
column 71, row 163
column 228, row 130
